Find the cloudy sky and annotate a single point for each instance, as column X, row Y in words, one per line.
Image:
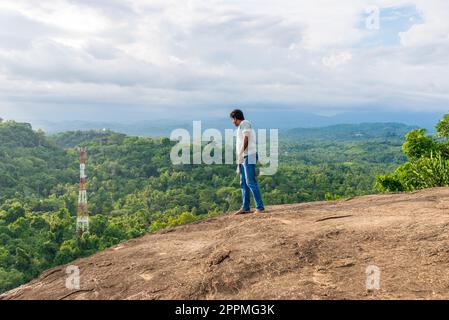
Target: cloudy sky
column 139, row 59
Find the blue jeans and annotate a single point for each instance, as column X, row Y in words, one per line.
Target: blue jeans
column 248, row 183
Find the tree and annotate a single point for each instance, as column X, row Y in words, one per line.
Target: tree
column 443, row 127
column 23, row 260
column 418, row 144
column 10, row 279
column 389, row 183
column 4, row 256
column 67, row 252
column 428, row 164
column 13, row 212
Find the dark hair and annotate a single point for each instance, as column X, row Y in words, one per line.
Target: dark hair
column 237, row 114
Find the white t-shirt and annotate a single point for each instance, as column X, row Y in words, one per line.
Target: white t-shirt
column 245, row 129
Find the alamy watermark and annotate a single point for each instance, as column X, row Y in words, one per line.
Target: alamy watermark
column 73, row 280
column 372, row 278
column 191, row 149
column 372, row 21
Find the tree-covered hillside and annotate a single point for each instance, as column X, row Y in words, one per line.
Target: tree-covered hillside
column 31, row 165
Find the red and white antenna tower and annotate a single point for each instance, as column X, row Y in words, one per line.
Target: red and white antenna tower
column 82, row 219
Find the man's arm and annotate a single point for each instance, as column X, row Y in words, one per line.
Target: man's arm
column 244, row 147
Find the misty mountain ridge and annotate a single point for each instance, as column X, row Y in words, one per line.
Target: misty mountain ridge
column 283, row 120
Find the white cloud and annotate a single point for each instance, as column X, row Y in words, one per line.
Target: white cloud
column 146, row 55
column 435, row 27
column 336, row 59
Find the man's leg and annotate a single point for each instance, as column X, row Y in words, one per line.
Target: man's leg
column 251, row 182
column 245, row 192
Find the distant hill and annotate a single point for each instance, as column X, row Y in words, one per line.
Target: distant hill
column 160, row 128
column 71, row 139
column 320, row 250
column 262, row 118
column 352, row 132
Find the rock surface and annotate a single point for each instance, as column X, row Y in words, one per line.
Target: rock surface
column 318, row 250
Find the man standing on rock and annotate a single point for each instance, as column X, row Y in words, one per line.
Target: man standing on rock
column 246, row 162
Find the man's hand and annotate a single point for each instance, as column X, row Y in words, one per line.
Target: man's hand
column 240, row 158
